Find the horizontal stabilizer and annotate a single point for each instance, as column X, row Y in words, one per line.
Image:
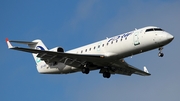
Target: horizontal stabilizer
column 19, row 42
column 23, row 42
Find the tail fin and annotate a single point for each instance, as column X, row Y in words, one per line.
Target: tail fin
column 36, row 44
column 41, row 65
column 40, row 46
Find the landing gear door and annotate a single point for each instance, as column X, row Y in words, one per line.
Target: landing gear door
column 136, row 37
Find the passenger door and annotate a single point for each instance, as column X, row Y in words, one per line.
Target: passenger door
column 136, row 37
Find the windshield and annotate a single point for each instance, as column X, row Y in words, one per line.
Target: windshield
column 154, row 29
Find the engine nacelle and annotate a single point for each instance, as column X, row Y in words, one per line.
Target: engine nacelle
column 57, row 49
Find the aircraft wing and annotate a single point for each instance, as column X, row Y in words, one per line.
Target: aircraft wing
column 76, row 60
column 123, row 67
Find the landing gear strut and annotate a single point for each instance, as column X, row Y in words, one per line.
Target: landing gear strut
column 160, row 54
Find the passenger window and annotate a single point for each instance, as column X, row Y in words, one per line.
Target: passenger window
column 89, row 49
column 102, row 45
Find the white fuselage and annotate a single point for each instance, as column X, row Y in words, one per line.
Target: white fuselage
column 117, row 47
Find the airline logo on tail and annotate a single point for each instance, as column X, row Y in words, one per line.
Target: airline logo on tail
column 40, row 48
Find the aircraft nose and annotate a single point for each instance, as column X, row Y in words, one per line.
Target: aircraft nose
column 169, row 37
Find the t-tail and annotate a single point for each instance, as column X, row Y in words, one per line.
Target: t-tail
column 42, row 66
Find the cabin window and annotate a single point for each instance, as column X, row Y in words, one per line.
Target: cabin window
column 116, row 41
column 86, row 50
column 89, row 49
column 82, row 51
column 111, row 42
column 102, row 45
column 94, row 47
column 107, row 44
column 98, row 46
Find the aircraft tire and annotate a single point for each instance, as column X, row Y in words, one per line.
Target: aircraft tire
column 160, row 54
column 85, row 70
column 106, row 75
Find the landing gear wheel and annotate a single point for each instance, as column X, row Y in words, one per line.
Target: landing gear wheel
column 85, row 70
column 106, row 75
column 161, row 54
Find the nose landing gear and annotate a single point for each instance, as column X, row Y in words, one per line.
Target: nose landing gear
column 160, row 54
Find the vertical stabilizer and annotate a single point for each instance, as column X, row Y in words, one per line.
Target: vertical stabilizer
column 40, row 46
column 36, row 44
column 40, row 64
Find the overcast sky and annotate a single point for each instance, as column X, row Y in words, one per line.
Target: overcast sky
column 74, row 23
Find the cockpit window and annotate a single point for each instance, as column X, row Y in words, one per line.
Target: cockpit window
column 154, row 29
column 147, row 30
column 158, row 29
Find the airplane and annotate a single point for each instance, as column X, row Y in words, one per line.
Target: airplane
column 106, row 55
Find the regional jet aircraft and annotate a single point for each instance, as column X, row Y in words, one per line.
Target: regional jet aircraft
column 106, row 55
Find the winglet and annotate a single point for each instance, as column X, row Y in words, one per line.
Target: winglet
column 145, row 69
column 8, row 43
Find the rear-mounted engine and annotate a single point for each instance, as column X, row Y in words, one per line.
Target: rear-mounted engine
column 57, row 49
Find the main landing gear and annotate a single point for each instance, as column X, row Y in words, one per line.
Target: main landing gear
column 85, row 70
column 105, row 71
column 106, row 75
column 160, row 54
